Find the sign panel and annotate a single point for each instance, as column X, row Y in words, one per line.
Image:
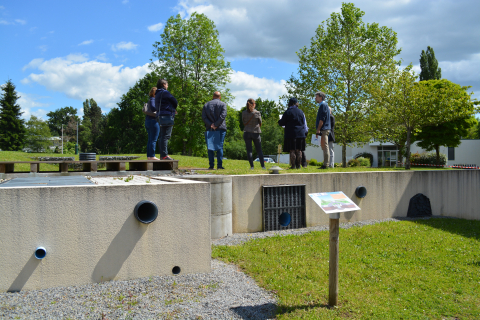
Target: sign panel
column 332, row 202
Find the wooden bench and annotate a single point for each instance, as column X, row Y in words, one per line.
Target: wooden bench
column 91, row 166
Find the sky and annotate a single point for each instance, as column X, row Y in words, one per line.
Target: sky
column 60, row 53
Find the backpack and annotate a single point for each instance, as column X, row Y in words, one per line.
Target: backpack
column 146, row 110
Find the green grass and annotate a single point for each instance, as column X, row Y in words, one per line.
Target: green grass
column 232, row 167
column 427, row 269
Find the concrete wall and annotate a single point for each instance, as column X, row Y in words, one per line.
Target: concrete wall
column 91, row 235
column 451, row 193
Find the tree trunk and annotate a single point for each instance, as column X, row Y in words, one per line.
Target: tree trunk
column 344, row 156
column 184, row 150
column 437, row 150
column 407, row 162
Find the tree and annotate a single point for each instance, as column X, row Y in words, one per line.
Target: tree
column 344, row 57
column 429, row 66
column 38, row 135
column 93, row 124
column 60, row 117
column 402, row 106
column 190, row 57
column 124, row 130
column 12, row 127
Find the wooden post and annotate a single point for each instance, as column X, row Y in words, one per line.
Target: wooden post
column 333, row 266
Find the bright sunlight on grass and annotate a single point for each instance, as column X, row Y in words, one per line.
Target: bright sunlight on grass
column 426, row 269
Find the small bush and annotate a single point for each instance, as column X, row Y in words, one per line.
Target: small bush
column 313, row 162
column 427, row 158
column 353, row 163
column 367, row 155
column 364, row 162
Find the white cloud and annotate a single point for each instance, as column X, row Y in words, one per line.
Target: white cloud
column 79, row 78
column 125, row 1
column 85, row 42
column 5, row 22
column 29, row 104
column 124, row 46
column 155, row 27
column 20, row 21
column 102, row 57
column 244, row 86
column 2, row 7
column 43, row 48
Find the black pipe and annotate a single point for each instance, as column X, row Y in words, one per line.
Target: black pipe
column 146, row 211
column 361, row 191
column 176, row 270
column 40, row 253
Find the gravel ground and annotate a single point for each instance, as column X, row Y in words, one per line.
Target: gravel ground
column 225, row 293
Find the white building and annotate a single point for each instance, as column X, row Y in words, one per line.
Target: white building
column 386, row 154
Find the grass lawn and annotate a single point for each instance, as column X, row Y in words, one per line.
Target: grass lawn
column 426, row 269
column 232, row 167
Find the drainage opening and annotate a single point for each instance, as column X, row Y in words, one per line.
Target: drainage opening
column 284, row 219
column 40, row 253
column 283, row 207
column 176, row 270
column 361, row 191
column 146, row 211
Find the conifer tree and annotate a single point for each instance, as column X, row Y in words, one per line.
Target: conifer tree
column 429, row 66
column 12, row 127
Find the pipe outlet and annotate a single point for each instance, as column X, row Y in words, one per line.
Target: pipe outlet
column 361, row 192
column 146, row 211
column 40, row 253
column 284, row 219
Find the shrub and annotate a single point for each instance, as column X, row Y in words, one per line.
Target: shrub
column 313, row 162
column 367, row 155
column 364, row 162
column 427, row 158
column 353, row 163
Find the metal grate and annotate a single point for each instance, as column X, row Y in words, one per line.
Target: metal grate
column 280, row 199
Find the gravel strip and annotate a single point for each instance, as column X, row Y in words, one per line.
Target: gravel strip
column 239, row 238
column 225, row 293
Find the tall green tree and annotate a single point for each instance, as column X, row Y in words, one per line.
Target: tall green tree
column 12, row 127
column 429, row 66
column 124, row 130
column 38, row 135
column 60, row 117
column 406, row 106
column 93, row 124
column 344, row 57
column 190, row 57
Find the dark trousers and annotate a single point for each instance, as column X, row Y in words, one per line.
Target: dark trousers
column 165, row 134
column 153, row 129
column 257, row 141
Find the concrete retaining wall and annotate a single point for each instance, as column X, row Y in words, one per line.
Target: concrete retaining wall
column 91, row 235
column 451, row 192
column 221, row 197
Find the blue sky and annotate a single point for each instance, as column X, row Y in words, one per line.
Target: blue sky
column 59, row 53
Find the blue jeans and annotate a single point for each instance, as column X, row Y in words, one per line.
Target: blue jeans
column 165, row 134
column 211, row 153
column 153, row 129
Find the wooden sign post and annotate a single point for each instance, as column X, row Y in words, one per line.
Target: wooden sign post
column 333, row 263
column 332, row 203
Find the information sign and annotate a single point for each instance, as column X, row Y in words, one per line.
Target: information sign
column 332, row 202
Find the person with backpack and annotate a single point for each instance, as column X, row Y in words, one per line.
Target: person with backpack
column 151, row 124
column 166, row 106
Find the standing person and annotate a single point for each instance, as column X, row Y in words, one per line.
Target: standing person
column 166, row 104
column 214, row 114
column 152, row 126
column 294, row 135
column 322, row 125
column 252, row 121
column 331, row 139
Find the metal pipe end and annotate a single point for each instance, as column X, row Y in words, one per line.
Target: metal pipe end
column 40, row 253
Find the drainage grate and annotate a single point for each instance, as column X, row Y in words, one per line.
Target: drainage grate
column 280, row 199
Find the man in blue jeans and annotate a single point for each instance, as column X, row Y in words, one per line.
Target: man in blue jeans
column 214, row 114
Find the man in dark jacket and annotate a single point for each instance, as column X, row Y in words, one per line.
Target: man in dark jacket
column 331, row 139
column 214, row 114
column 322, row 125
